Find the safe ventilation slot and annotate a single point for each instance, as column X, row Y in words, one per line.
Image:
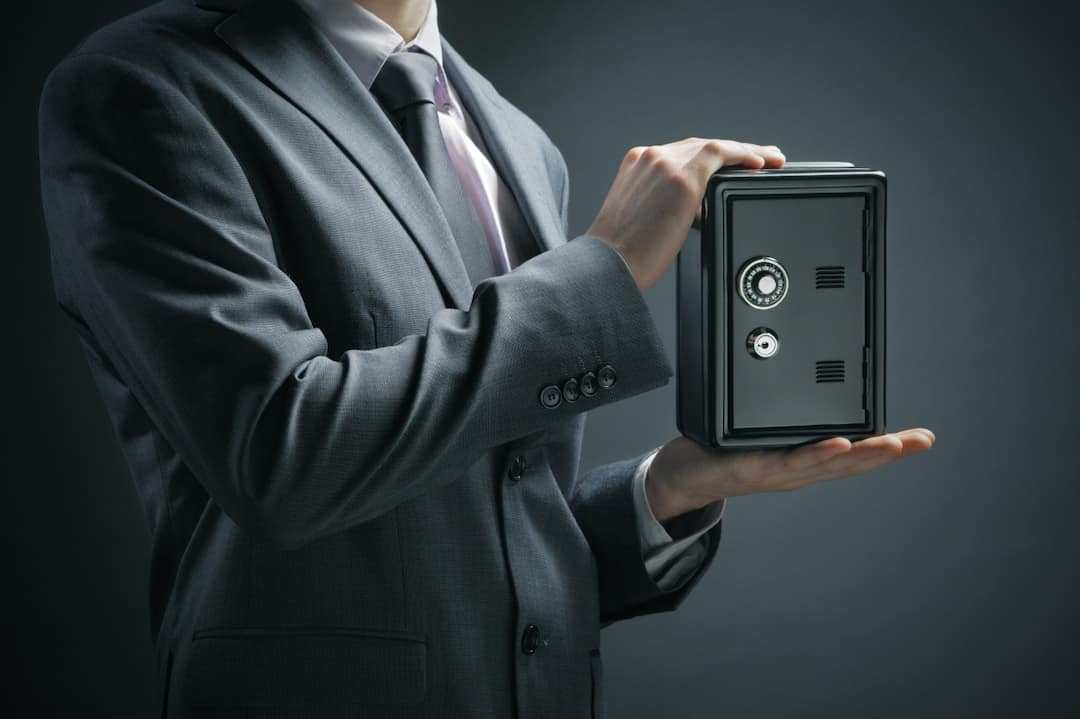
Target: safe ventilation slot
column 830, row 278
column 830, row 371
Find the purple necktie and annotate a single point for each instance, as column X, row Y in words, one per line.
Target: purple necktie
column 405, row 87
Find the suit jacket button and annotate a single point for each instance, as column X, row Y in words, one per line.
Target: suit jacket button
column 550, row 396
column 570, row 390
column 517, row 468
column 530, row 639
column 605, row 376
column 588, row 384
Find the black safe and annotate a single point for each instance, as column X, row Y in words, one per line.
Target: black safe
column 781, row 308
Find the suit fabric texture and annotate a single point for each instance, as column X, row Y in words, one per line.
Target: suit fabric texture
column 359, row 503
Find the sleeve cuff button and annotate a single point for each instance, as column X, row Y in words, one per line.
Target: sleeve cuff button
column 571, row 390
column 550, row 396
column 605, row 376
column 588, row 384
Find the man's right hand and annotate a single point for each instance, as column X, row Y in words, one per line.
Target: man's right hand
column 656, row 197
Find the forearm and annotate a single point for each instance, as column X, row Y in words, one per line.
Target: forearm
column 606, row 508
column 160, row 248
column 672, row 551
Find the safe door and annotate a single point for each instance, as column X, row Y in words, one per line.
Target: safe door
column 797, row 289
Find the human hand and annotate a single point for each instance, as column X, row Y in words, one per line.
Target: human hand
column 656, row 196
column 685, row 475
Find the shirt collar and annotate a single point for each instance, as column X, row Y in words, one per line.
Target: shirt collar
column 365, row 41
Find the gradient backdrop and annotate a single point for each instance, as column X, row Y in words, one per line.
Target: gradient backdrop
column 944, row 586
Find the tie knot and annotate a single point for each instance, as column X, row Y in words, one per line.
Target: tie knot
column 406, row 78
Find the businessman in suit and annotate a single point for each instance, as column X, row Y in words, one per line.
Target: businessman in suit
column 321, row 272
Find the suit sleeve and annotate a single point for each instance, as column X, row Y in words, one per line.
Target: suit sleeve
column 606, row 506
column 160, row 249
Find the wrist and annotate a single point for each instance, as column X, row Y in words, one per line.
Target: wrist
column 623, row 255
column 665, row 501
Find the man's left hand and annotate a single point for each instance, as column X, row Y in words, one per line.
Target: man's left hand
column 685, row 475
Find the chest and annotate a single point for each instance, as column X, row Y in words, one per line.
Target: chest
column 348, row 240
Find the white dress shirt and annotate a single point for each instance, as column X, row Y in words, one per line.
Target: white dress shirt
column 364, row 41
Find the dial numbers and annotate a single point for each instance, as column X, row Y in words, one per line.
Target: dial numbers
column 763, row 283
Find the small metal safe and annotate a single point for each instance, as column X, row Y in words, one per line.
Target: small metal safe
column 781, row 308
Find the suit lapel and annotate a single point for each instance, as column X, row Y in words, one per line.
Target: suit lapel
column 284, row 46
column 521, row 166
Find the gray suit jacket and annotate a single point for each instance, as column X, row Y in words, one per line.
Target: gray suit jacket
column 359, row 504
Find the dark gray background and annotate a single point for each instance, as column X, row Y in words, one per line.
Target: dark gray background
column 945, row 585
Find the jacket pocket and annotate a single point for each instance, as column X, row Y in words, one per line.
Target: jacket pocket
column 597, row 666
column 304, row 666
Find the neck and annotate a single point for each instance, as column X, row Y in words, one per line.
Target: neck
column 405, row 16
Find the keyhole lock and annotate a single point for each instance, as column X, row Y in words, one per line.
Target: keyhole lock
column 762, row 343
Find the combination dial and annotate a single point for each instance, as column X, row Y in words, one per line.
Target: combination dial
column 763, row 283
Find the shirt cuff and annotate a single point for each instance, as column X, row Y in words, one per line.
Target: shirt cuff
column 669, row 560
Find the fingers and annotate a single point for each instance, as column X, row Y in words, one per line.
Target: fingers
column 745, row 153
column 766, row 152
column 693, row 160
column 883, row 446
column 862, row 456
column 916, row 440
column 800, row 459
column 886, row 448
column 908, row 441
column 789, row 468
column 771, row 154
column 873, row 452
column 768, row 470
column 712, row 154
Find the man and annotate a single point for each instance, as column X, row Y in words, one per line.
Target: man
column 322, row 274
